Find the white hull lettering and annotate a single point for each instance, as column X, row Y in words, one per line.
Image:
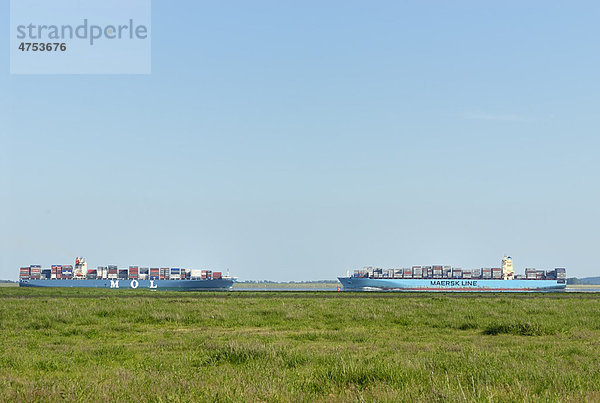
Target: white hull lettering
column 454, row 283
column 114, row 283
column 152, row 285
column 134, row 284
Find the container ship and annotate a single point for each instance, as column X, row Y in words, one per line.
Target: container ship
column 447, row 278
column 132, row 277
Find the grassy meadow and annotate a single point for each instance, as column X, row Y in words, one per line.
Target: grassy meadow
column 112, row 345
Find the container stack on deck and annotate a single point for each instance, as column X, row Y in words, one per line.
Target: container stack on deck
column 417, row 271
column 58, row 272
column 113, row 272
column 24, row 273
column 67, row 271
column 54, row 271
column 35, row 271
column 447, row 272
column 133, row 273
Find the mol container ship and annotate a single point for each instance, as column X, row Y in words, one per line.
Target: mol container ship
column 154, row 278
column 447, row 278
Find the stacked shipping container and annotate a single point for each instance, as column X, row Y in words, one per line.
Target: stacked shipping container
column 133, row 273
column 113, row 272
column 35, row 271
column 428, row 272
column 24, row 273
column 54, row 271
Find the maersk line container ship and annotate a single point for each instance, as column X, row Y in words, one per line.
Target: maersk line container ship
column 133, row 277
column 447, row 278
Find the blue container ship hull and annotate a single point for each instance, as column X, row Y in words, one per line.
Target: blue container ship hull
column 173, row 285
column 444, row 285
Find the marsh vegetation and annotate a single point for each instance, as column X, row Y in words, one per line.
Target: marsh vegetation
column 140, row 345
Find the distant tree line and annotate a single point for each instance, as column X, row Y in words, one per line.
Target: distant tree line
column 584, row 281
column 287, row 282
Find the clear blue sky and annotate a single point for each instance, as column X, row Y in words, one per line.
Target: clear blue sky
column 294, row 141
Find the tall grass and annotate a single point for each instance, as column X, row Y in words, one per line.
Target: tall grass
column 138, row 345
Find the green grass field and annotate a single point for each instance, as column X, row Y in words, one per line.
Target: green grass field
column 139, row 345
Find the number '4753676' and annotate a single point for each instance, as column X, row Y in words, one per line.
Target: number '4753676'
column 42, row 47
